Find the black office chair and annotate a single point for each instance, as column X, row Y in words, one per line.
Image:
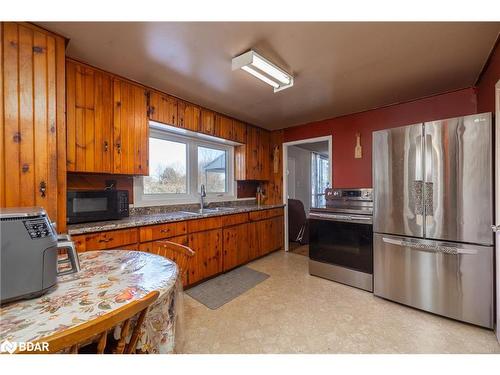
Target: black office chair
column 298, row 224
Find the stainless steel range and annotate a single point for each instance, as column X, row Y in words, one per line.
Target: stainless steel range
column 341, row 238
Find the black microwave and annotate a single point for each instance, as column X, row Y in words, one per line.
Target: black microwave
column 96, row 205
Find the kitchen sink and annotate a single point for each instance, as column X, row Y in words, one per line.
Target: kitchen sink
column 208, row 210
column 219, row 209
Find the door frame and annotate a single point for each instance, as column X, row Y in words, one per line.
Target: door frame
column 497, row 202
column 329, row 139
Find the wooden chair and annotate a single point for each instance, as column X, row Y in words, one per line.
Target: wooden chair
column 70, row 340
column 180, row 254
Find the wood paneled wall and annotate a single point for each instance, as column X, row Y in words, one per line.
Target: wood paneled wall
column 274, row 187
column 33, row 133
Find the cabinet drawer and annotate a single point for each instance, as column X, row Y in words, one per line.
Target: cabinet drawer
column 156, row 232
column 204, row 224
column 265, row 214
column 235, row 219
column 275, row 212
column 109, row 240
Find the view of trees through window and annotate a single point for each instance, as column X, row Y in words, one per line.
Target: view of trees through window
column 167, row 167
column 181, row 167
column 212, row 169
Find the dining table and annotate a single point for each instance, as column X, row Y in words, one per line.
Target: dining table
column 107, row 280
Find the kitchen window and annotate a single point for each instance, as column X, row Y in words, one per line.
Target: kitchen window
column 179, row 165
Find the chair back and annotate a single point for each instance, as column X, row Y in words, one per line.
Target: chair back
column 180, row 254
column 296, row 219
column 98, row 329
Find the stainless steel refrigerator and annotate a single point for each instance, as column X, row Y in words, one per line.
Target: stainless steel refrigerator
column 433, row 212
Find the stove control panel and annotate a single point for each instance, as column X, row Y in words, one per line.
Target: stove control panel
column 349, row 194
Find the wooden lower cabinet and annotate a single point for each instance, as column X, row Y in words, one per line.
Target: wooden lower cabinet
column 208, row 250
column 265, row 236
column 220, row 243
column 235, row 246
column 116, row 239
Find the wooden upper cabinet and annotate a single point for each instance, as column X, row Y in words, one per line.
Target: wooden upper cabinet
column 223, row 127
column 188, row 116
column 89, row 106
column 253, row 160
column 131, row 130
column 107, row 128
column 163, row 108
column 32, row 114
column 207, row 121
column 239, row 131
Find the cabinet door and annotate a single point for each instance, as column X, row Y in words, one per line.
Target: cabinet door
column 89, row 104
column 235, row 246
column 254, row 243
column 189, row 116
column 163, row 108
column 207, row 260
column 223, row 127
column 131, row 131
column 207, row 122
column 239, row 131
column 32, row 134
column 278, row 225
column 252, row 154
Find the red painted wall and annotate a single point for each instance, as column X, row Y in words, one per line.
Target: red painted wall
column 487, row 82
column 349, row 172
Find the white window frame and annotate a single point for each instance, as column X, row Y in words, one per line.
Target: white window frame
column 192, row 195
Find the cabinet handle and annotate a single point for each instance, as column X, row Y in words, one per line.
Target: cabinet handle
column 106, row 240
column 164, row 230
column 119, row 148
column 106, row 146
column 42, row 189
column 173, row 119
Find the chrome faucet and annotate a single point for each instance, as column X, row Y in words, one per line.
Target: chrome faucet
column 203, row 194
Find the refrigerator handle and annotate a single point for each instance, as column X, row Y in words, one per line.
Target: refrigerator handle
column 418, row 182
column 428, row 186
column 429, row 247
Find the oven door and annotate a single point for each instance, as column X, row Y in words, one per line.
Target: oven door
column 87, row 206
column 345, row 242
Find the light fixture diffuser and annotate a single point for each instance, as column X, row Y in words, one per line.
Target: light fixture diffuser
column 258, row 66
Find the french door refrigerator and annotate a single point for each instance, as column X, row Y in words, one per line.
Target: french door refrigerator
column 433, row 212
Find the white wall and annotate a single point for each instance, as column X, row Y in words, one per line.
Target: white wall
column 302, row 178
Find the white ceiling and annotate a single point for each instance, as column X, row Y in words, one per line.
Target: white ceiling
column 339, row 67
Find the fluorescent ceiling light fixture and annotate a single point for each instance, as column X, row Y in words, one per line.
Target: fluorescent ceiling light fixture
column 263, row 69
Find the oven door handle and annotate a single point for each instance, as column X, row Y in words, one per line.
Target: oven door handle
column 429, row 248
column 339, row 217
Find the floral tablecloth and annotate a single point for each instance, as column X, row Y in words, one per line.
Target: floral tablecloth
column 108, row 280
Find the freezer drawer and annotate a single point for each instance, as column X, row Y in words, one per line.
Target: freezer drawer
column 450, row 279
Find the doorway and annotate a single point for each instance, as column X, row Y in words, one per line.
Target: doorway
column 307, row 171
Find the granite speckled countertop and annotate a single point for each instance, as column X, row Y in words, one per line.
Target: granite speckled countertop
column 138, row 220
